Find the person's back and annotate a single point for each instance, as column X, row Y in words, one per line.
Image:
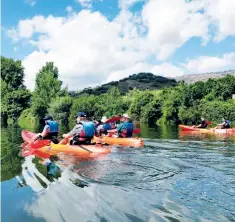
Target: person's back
column 50, row 130
column 126, row 128
column 226, row 124
column 204, row 124
column 103, row 127
column 83, row 131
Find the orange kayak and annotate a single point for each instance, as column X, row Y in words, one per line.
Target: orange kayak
column 132, row 142
column 199, row 130
column 53, row 149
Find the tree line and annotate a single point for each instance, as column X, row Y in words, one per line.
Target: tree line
column 179, row 103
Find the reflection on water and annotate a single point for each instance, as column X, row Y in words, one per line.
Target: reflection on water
column 175, row 177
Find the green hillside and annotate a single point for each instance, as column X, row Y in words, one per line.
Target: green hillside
column 140, row 81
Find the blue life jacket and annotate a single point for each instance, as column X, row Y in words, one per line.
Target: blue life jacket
column 227, row 123
column 88, row 129
column 127, row 130
column 54, row 126
column 107, row 127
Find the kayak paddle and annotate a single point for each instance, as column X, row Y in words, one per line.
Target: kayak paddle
column 39, row 144
column 113, row 119
column 84, row 148
column 28, row 152
column 135, row 131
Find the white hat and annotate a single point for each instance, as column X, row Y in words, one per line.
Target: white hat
column 104, row 119
column 125, row 115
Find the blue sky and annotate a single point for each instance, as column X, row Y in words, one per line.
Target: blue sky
column 96, row 41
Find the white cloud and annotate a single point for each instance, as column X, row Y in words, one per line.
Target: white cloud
column 222, row 15
column 69, row 9
column 84, row 55
column 172, row 23
column 209, row 63
column 85, row 3
column 89, row 49
column 30, row 2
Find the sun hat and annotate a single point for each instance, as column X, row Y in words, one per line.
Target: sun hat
column 126, row 115
column 104, row 119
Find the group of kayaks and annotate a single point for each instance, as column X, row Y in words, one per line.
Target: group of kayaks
column 99, row 145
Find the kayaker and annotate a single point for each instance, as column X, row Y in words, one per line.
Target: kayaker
column 125, row 129
column 103, row 128
column 83, row 131
column 224, row 125
column 50, row 130
column 203, row 124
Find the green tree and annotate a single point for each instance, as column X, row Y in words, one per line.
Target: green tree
column 12, row 73
column 14, row 96
column 139, row 102
column 47, row 88
column 15, row 102
column 60, row 109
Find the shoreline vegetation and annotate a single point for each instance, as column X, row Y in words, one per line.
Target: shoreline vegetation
column 147, row 98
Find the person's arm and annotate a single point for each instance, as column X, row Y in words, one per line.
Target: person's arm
column 197, row 126
column 116, row 130
column 76, row 130
column 45, row 131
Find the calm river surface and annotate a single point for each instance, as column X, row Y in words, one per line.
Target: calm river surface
column 173, row 178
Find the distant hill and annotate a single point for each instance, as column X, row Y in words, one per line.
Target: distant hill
column 140, row 81
column 191, row 78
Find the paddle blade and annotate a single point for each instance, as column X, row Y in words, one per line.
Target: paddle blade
column 39, row 144
column 29, row 152
column 113, row 119
column 136, row 131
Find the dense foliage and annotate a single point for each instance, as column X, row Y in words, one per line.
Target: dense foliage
column 179, row 102
column 14, row 96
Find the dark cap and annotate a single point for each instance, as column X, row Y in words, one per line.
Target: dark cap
column 81, row 114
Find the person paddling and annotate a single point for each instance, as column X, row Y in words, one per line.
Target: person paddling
column 103, row 128
column 203, row 124
column 50, row 130
column 224, row 125
column 125, row 129
column 83, row 131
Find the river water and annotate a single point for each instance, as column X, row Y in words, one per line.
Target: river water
column 173, row 178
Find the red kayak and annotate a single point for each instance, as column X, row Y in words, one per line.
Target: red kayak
column 185, row 128
column 48, row 148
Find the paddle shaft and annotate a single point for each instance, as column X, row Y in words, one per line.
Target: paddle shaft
column 84, row 148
